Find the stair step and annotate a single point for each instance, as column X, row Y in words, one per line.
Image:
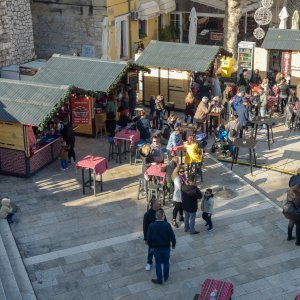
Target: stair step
column 9, row 283
column 16, row 262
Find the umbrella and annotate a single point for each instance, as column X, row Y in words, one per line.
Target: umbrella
column 193, row 26
column 295, row 20
column 283, row 16
column 105, row 39
column 117, row 38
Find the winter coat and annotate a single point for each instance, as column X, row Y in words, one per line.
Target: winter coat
column 190, row 196
column 207, row 204
column 201, row 112
column 156, row 153
column 174, row 140
column 291, row 211
column 149, row 217
column 263, row 100
column 63, row 154
column 5, row 208
column 192, row 153
column 144, row 126
column 243, row 114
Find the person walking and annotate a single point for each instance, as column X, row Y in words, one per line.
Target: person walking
column 190, row 196
column 178, row 179
column 159, row 237
column 207, row 206
column 7, row 211
column 69, row 137
column 149, row 218
column 291, row 208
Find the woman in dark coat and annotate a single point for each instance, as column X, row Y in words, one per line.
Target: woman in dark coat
column 69, row 137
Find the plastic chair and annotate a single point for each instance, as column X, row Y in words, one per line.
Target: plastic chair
column 142, row 188
column 112, row 148
column 196, row 169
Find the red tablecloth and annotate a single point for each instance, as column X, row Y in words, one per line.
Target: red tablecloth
column 99, row 164
column 224, row 289
column 155, row 170
column 128, row 135
column 177, row 148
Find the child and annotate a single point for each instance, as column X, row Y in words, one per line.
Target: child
column 207, row 206
column 6, row 211
column 63, row 156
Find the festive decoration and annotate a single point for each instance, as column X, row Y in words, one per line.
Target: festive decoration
column 267, row 3
column 263, row 16
column 259, row 33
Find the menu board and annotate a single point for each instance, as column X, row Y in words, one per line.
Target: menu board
column 261, row 59
column 81, row 110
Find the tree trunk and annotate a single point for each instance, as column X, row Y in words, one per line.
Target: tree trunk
column 233, row 13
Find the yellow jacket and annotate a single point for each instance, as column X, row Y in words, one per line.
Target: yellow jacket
column 193, row 153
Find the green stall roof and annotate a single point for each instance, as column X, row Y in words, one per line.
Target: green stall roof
column 28, row 102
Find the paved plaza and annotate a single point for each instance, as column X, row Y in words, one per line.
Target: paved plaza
column 86, row 247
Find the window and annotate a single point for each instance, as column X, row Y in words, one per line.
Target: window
column 143, row 28
column 124, row 48
column 176, row 22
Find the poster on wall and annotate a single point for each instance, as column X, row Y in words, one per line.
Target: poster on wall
column 286, row 63
column 81, row 108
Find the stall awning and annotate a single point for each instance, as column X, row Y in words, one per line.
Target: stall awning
column 28, row 102
column 282, row 39
column 179, row 56
column 82, row 72
column 148, row 10
column 167, row 6
column 247, row 5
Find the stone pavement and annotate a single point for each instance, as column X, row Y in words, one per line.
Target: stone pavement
column 77, row 247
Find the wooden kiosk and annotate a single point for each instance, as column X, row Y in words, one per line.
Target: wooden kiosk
column 24, row 108
column 171, row 65
column 95, row 82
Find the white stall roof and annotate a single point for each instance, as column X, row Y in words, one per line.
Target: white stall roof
column 35, row 64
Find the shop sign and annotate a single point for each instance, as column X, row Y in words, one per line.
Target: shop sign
column 216, row 36
column 295, row 64
column 81, row 110
column 286, row 63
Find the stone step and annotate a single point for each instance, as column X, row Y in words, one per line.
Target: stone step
column 7, row 278
column 16, row 263
column 2, row 293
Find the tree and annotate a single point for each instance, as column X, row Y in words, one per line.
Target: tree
column 233, row 13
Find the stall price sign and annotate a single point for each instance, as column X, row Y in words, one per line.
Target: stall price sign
column 286, row 63
column 81, row 110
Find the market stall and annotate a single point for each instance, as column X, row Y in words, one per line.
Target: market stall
column 173, row 66
column 31, row 116
column 283, row 47
column 97, row 85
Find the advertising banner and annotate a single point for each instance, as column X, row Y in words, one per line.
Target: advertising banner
column 286, row 63
column 81, row 108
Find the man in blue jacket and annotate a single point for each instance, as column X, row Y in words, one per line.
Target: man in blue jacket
column 159, row 237
column 243, row 114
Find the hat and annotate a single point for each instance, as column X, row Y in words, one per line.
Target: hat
column 205, row 99
column 295, row 180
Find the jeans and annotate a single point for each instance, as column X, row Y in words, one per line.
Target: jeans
column 150, row 256
column 177, row 208
column 207, row 219
column 9, row 217
column 290, row 230
column 160, row 119
column 63, row 163
column 282, row 102
column 162, row 257
column 262, row 112
column 189, row 221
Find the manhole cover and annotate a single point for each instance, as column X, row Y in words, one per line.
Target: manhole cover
column 224, row 193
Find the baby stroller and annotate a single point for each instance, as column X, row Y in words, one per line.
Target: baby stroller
column 222, row 141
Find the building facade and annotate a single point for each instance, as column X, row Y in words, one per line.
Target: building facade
column 16, row 34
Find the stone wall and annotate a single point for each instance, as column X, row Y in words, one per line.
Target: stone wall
column 16, row 33
column 68, row 27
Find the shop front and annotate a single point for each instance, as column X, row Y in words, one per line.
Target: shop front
column 175, row 68
column 96, row 84
column 31, row 119
column 283, row 47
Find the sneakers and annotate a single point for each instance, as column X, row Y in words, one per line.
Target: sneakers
column 174, row 223
column 148, row 267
